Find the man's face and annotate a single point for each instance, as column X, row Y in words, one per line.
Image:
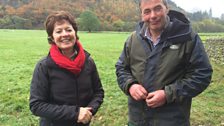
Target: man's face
column 154, row 14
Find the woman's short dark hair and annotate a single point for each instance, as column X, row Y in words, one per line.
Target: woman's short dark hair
column 57, row 17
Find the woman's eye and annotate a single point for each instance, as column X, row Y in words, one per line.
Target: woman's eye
column 58, row 32
column 69, row 30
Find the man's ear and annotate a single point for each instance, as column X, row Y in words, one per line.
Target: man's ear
column 167, row 10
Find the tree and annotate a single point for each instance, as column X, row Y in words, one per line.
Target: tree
column 222, row 17
column 6, row 23
column 210, row 13
column 89, row 21
column 118, row 25
column 21, row 23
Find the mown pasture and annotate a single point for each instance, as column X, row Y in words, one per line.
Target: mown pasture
column 21, row 49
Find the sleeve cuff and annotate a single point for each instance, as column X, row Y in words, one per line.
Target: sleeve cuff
column 128, row 85
column 170, row 97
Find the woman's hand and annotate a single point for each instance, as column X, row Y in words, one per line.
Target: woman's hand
column 85, row 115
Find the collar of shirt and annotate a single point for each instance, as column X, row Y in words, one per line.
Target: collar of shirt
column 147, row 35
column 72, row 57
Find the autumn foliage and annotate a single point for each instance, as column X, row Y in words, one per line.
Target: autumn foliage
column 110, row 13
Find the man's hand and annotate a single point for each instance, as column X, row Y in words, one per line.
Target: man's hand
column 156, row 99
column 138, row 92
column 85, row 115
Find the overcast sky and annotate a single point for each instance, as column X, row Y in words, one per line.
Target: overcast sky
column 217, row 6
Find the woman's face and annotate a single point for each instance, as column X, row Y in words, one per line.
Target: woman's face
column 64, row 35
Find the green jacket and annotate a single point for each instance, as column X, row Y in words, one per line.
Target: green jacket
column 178, row 64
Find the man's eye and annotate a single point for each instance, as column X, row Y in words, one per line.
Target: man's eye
column 147, row 11
column 157, row 9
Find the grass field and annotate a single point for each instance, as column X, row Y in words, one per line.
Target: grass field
column 21, row 49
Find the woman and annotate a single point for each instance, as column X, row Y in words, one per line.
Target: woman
column 65, row 89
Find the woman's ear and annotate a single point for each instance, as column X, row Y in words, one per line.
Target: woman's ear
column 50, row 39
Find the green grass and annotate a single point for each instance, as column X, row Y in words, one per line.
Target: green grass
column 205, row 36
column 21, row 49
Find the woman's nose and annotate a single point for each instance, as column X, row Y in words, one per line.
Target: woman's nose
column 64, row 33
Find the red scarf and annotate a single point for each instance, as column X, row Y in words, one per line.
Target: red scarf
column 75, row 66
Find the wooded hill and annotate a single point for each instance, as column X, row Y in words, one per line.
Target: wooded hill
column 112, row 15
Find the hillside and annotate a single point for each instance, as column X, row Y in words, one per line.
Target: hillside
column 30, row 14
column 119, row 8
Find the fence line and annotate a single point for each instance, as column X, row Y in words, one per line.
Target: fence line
column 215, row 49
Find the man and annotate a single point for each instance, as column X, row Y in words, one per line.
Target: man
column 162, row 67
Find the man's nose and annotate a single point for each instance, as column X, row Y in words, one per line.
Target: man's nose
column 153, row 14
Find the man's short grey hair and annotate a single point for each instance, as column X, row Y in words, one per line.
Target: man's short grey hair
column 164, row 2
